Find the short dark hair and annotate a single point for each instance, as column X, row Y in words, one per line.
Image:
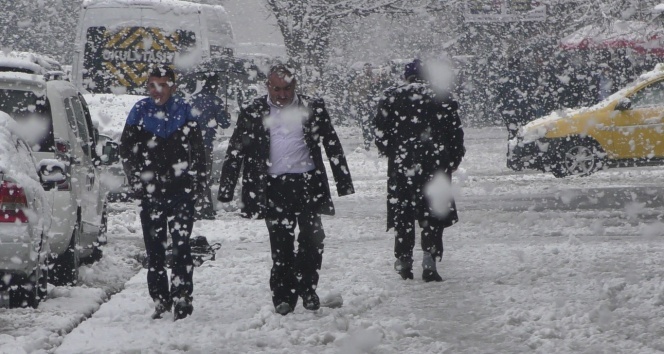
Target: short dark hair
column 163, row 71
column 282, row 70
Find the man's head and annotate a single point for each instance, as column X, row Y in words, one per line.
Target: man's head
column 367, row 68
column 210, row 81
column 281, row 85
column 413, row 71
column 161, row 84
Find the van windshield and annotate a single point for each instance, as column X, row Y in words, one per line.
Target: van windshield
column 118, row 60
column 33, row 113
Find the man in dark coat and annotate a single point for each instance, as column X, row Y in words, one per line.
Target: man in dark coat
column 420, row 132
column 164, row 159
column 276, row 145
column 209, row 109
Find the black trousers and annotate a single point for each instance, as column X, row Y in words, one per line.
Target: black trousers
column 290, row 205
column 365, row 113
column 409, row 203
column 175, row 216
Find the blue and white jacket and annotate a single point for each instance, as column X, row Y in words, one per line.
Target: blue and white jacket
column 162, row 148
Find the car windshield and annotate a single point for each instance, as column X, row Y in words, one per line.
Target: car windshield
column 623, row 91
column 33, row 113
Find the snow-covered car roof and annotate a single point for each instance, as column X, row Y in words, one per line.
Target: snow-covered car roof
column 19, row 80
column 35, row 63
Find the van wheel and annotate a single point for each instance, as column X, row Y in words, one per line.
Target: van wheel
column 65, row 267
column 97, row 253
column 577, row 157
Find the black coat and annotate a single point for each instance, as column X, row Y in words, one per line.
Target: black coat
column 162, row 149
column 249, row 152
column 415, row 126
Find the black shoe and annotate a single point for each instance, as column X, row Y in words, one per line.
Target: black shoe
column 310, row 301
column 283, row 309
column 183, row 308
column 404, row 267
column 431, row 275
column 160, row 310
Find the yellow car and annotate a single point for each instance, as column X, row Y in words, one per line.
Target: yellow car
column 626, row 129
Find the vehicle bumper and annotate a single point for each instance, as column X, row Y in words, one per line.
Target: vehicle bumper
column 19, row 251
column 527, row 155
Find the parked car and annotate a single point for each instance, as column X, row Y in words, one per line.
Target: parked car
column 626, row 129
column 25, row 218
column 58, row 121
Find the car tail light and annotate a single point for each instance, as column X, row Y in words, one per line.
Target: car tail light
column 12, row 203
column 63, row 153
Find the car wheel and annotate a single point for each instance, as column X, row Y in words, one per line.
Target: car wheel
column 32, row 288
column 26, row 292
column 65, row 267
column 577, row 157
column 42, row 283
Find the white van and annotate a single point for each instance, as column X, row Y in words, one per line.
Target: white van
column 117, row 41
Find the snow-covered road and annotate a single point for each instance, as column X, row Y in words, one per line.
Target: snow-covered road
column 536, row 264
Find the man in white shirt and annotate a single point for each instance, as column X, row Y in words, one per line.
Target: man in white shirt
column 277, row 147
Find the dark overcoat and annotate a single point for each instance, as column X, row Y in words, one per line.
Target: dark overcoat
column 249, row 152
column 417, row 129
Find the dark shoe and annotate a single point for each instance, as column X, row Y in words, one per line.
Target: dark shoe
column 183, row 308
column 310, row 301
column 283, row 309
column 404, row 267
column 431, row 275
column 160, row 310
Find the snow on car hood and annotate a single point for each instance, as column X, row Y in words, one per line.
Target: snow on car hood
column 538, row 128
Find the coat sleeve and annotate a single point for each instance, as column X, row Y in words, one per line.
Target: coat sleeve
column 230, row 170
column 381, row 127
column 222, row 117
column 197, row 147
column 454, row 134
column 131, row 148
column 333, row 150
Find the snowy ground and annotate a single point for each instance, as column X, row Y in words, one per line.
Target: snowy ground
column 535, row 265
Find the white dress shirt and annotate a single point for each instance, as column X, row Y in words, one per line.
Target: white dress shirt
column 288, row 150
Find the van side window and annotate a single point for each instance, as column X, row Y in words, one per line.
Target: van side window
column 77, row 122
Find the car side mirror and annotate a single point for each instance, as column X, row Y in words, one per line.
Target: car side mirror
column 624, row 104
column 51, row 173
column 110, row 153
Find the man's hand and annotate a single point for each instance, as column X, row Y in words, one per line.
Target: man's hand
column 137, row 191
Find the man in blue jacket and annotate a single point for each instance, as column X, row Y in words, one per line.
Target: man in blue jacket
column 163, row 155
column 210, row 112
